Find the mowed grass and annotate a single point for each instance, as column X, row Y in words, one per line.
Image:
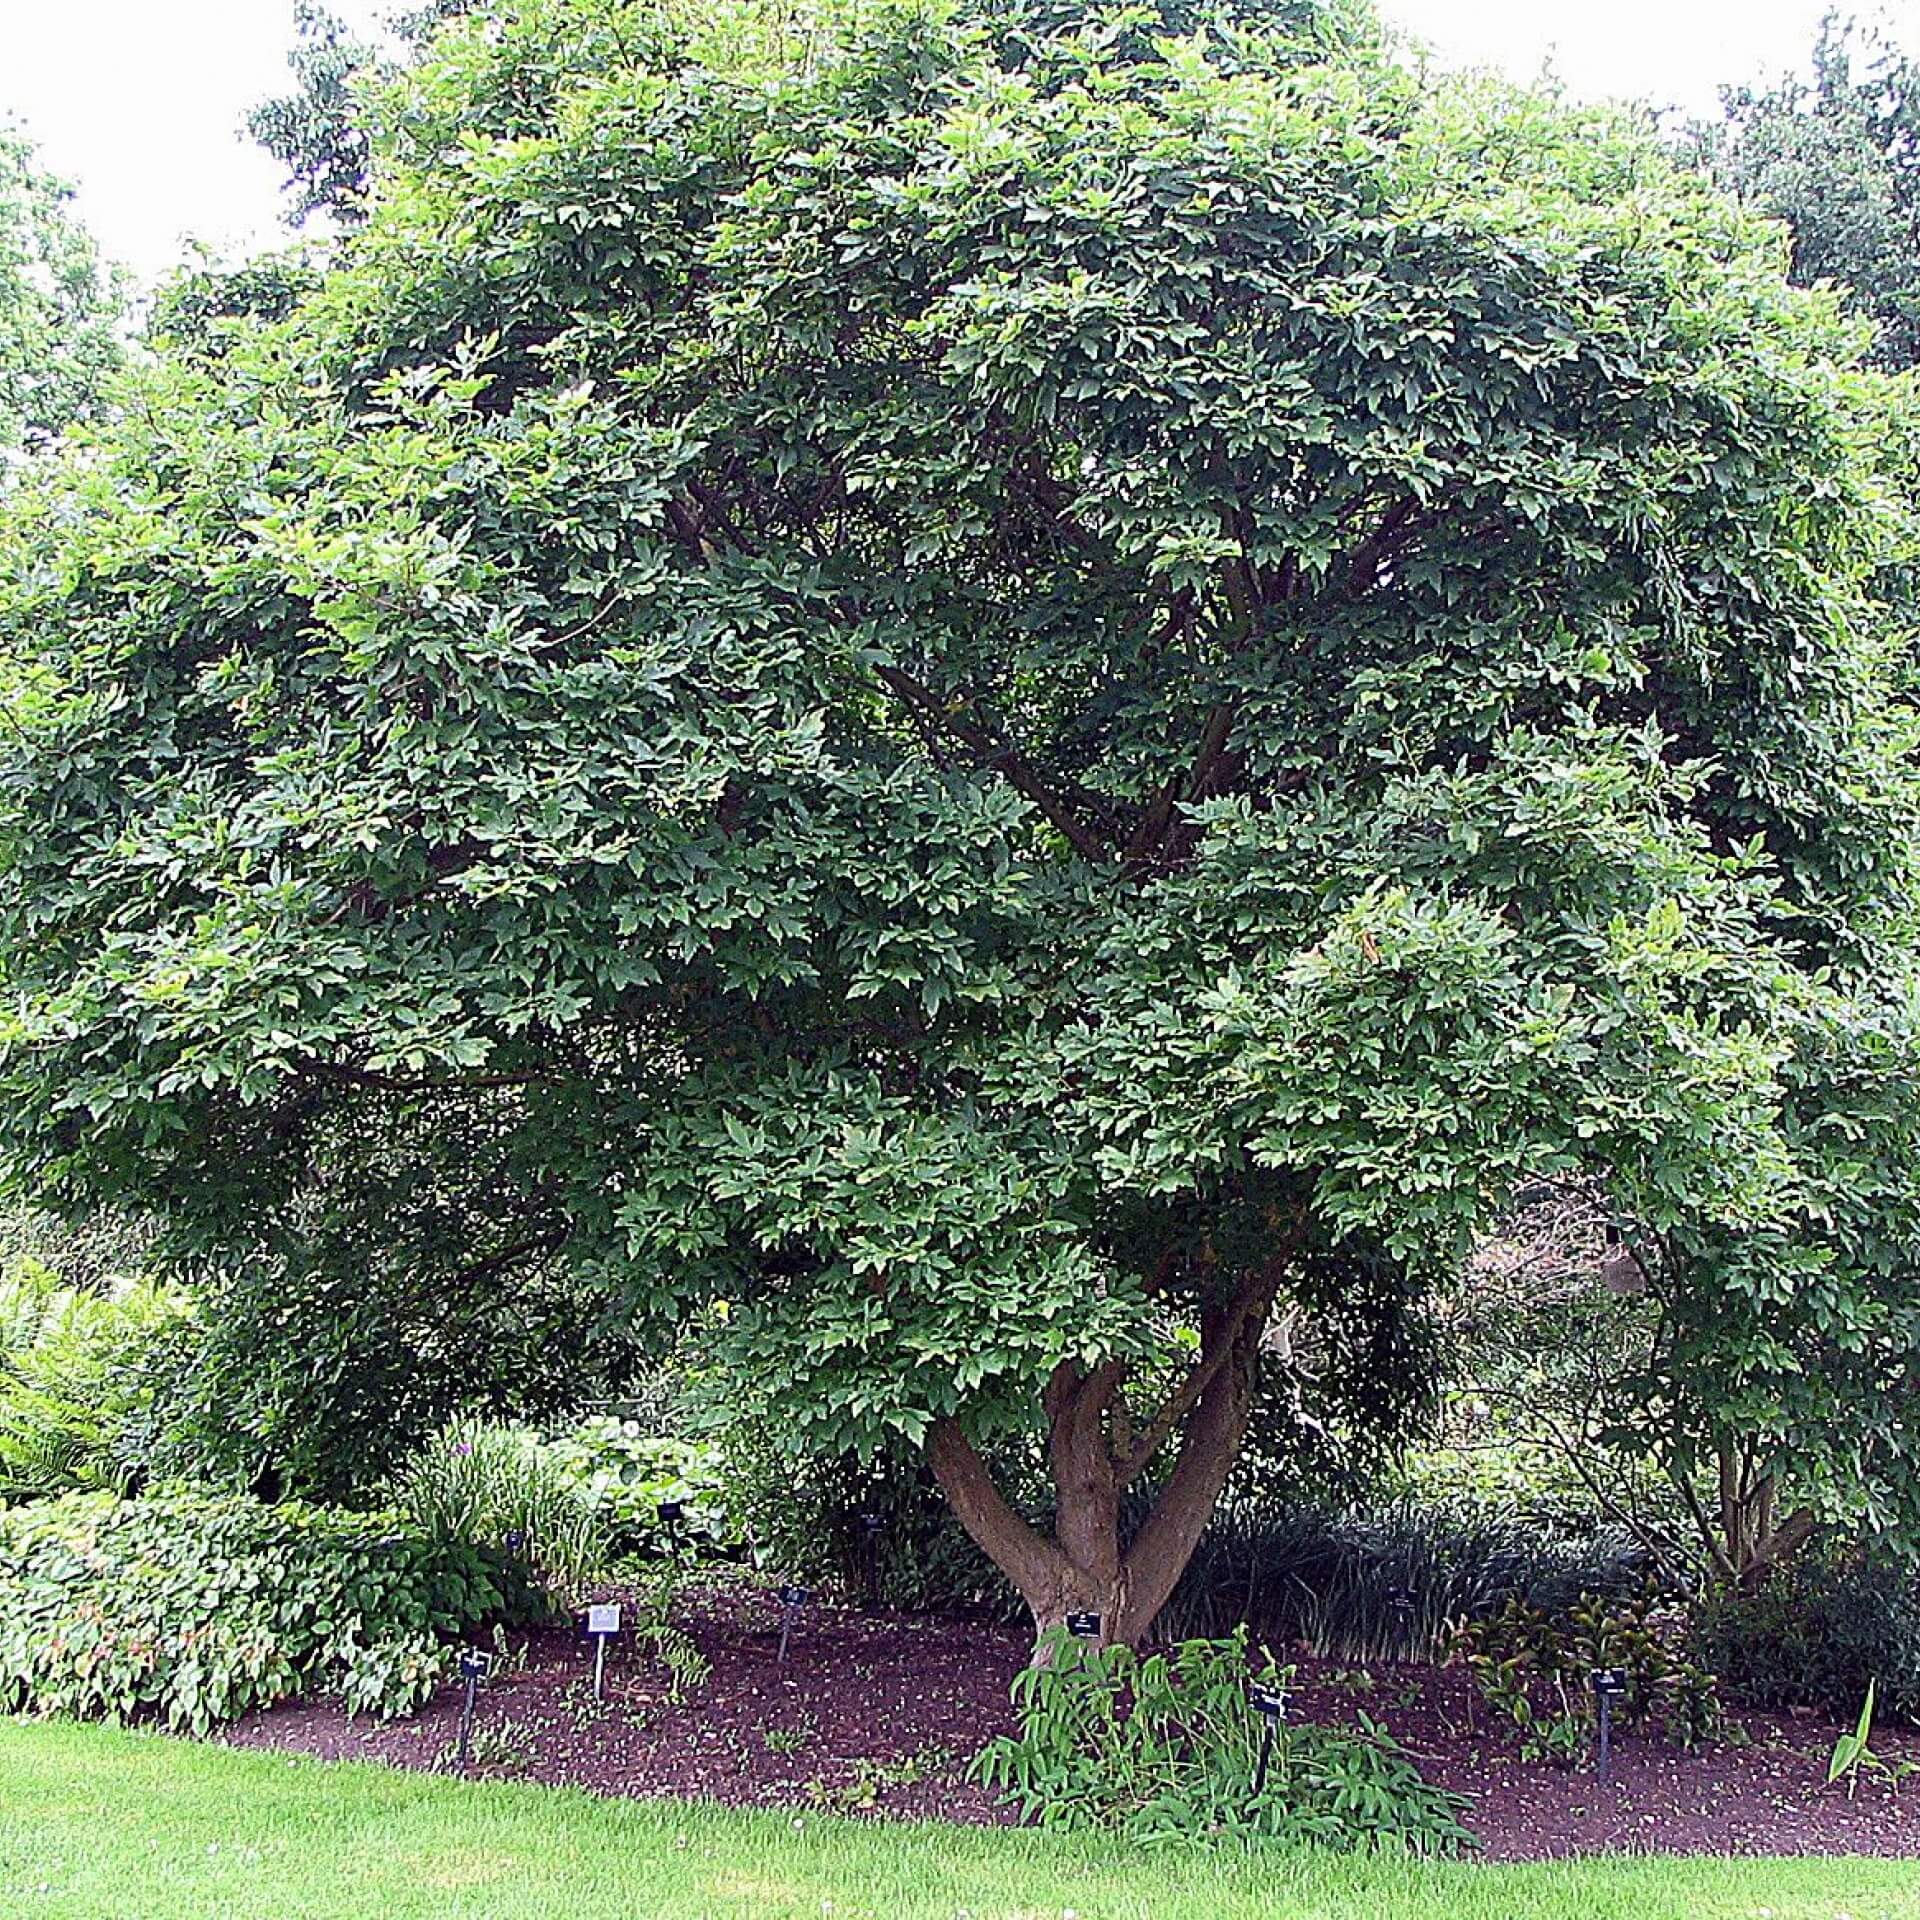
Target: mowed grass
column 142, row 1827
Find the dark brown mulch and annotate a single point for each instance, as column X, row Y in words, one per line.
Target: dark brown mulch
column 880, row 1714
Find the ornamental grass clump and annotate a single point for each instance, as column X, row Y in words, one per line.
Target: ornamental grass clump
column 484, row 1485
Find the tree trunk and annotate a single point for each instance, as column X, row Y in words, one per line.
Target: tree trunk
column 1753, row 1541
column 1091, row 1456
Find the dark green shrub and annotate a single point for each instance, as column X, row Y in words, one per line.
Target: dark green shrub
column 1386, row 1584
column 192, row 1611
column 1166, row 1749
column 1818, row 1633
column 810, row 1519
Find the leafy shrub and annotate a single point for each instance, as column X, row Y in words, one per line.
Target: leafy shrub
column 1388, row 1584
column 1820, row 1632
column 1166, row 1749
column 194, row 1610
column 490, row 1486
column 69, row 1388
column 809, row 1518
column 627, row 1474
column 392, row 1677
column 1533, row 1670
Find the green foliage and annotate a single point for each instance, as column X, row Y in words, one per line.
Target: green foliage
column 504, row 1745
column 1818, row 1633
column 480, row 1485
column 191, row 1611
column 72, row 1393
column 392, row 1677
column 1839, row 161
column 626, row 1474
column 60, row 307
column 652, row 1591
column 1533, row 1670
column 871, row 1778
column 317, row 132
column 1165, row 1749
column 805, row 1519
column 980, row 678
column 1388, row 1582
column 321, row 1375
column 1851, row 1751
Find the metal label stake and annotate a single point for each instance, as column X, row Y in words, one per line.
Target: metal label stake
column 1608, row 1684
column 1270, row 1703
column 473, row 1668
column 602, row 1623
column 792, row 1599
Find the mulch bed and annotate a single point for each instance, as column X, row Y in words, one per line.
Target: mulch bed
column 879, row 1714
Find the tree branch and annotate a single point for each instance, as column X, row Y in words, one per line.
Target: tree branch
column 398, row 1083
column 999, row 756
column 549, row 1242
column 1016, row 1548
column 1250, row 1302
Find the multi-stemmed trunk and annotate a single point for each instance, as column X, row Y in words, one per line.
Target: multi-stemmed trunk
column 1094, row 1453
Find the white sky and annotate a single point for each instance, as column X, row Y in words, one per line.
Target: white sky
column 139, row 102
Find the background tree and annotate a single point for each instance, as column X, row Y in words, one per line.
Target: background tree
column 60, row 306
column 1013, row 689
column 1839, row 160
column 318, row 130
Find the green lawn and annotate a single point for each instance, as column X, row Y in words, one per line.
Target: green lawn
column 140, row 1827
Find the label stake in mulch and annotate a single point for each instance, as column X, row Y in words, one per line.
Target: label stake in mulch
column 1270, row 1703
column 602, row 1623
column 1608, row 1684
column 670, row 1514
column 473, row 1669
column 1400, row 1602
column 873, row 1524
column 792, row 1599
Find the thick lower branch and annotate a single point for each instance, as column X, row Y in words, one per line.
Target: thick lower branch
column 1027, row 1559
column 998, row 756
column 1254, row 1297
column 1215, row 1431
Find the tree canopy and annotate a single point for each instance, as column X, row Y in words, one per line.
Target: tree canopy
column 1839, row 161
column 59, row 305
column 318, row 131
column 999, row 684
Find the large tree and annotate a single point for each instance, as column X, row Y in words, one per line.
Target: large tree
column 1838, row 158
column 60, row 306
column 318, row 131
column 1004, row 684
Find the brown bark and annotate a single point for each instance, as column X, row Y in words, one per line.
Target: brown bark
column 1752, row 1540
column 1082, row 1567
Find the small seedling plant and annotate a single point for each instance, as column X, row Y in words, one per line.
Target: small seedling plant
column 1853, row 1753
column 872, row 1778
column 496, row 1746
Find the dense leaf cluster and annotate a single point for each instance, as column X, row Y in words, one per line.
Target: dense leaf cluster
column 966, row 676
column 60, row 306
column 191, row 1611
